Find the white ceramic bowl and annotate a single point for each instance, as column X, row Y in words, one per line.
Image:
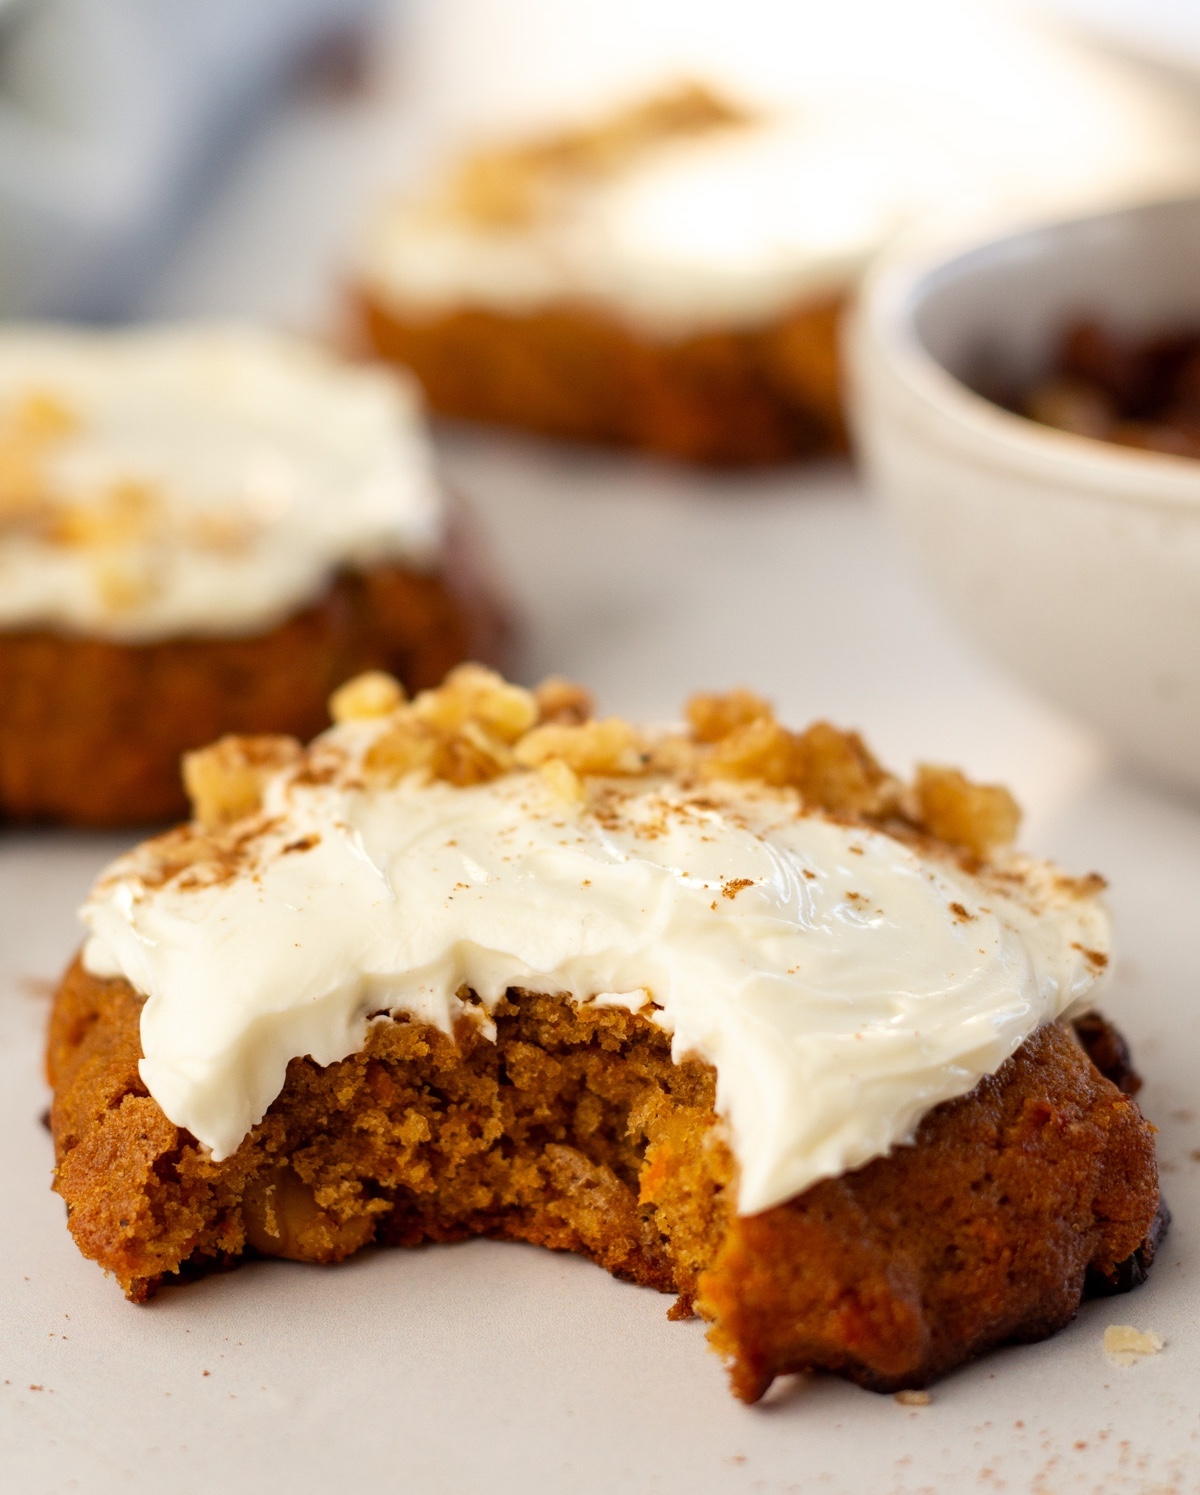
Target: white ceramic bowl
column 1073, row 562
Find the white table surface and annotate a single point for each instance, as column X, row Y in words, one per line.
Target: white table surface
column 503, row 1368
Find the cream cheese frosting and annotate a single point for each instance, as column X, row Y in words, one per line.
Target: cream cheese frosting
column 841, row 979
column 728, row 227
column 198, row 480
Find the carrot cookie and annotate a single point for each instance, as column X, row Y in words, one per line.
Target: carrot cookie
column 203, row 530
column 729, row 1010
column 670, row 277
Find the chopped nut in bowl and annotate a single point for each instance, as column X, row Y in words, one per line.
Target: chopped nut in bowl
column 1068, row 557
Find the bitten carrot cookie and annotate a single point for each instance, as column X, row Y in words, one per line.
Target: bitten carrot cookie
column 730, row 1010
column 203, row 530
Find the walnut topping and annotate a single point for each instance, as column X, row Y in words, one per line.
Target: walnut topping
column 123, row 513
column 40, row 415
column 123, row 581
column 111, row 519
column 471, row 693
column 225, row 781
column 112, row 528
column 832, row 769
column 472, row 755
column 509, row 187
column 29, row 430
column 675, row 754
column 120, row 512
column 835, row 771
column 713, row 717
column 23, row 488
column 477, row 726
column 223, row 531
column 607, row 747
column 561, row 700
column 462, row 732
column 759, row 749
column 981, row 818
column 563, row 780
column 370, row 695
column 408, row 746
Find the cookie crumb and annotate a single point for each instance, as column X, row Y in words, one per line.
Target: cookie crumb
column 1126, row 1346
column 913, row 1398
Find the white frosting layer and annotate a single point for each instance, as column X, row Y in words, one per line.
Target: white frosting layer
column 841, row 981
column 725, row 229
column 259, row 465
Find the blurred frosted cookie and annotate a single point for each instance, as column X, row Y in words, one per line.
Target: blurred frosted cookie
column 203, row 530
column 670, row 277
column 729, row 1010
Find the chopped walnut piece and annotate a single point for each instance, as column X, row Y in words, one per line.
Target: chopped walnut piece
column 563, row 780
column 473, row 693
column 282, row 1216
column 27, row 430
column 835, row 771
column 675, row 754
column 561, row 700
column 369, row 695
column 461, row 732
column 495, row 189
column 476, row 726
column 712, row 717
column 123, row 513
column 223, row 531
column 981, row 818
column 473, row 755
column 41, row 414
column 607, row 747
column 122, row 581
column 506, row 188
column 23, row 489
column 760, row 749
column 407, row 746
column 225, row 781
column 832, row 769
